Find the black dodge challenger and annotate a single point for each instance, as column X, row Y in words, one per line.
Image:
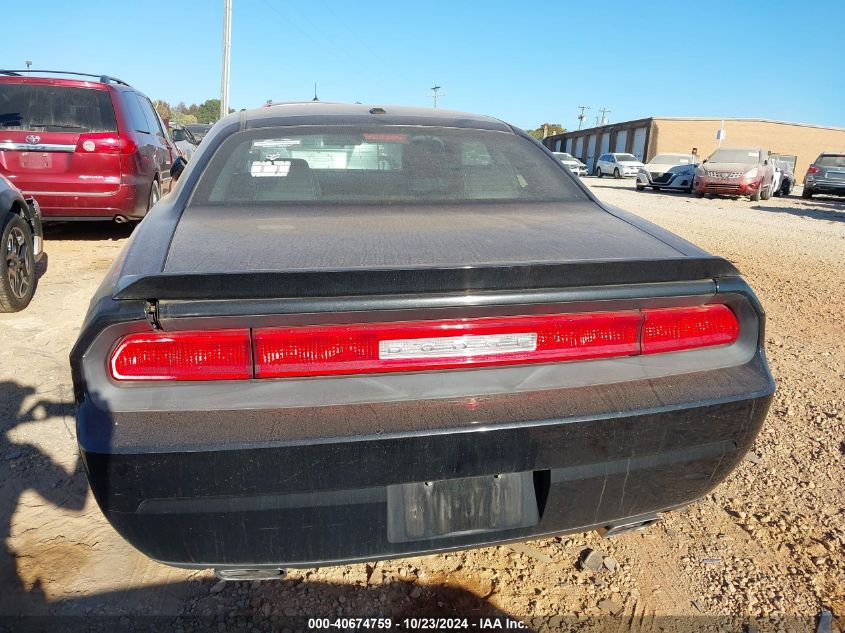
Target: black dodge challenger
column 354, row 333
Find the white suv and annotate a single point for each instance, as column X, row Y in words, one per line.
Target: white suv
column 618, row 165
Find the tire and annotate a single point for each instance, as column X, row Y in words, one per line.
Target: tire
column 155, row 195
column 807, row 193
column 699, row 194
column 599, row 173
column 616, row 174
column 755, row 197
column 640, row 187
column 766, row 193
column 17, row 265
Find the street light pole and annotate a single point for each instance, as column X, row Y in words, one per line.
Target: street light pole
column 227, row 51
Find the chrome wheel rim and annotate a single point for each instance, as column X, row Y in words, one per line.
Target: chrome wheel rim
column 18, row 270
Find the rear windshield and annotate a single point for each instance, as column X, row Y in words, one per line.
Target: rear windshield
column 630, row 157
column 45, row 108
column 387, row 165
column 831, row 160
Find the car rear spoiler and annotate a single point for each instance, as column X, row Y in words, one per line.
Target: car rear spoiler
column 361, row 282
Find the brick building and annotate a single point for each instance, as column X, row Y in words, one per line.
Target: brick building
column 646, row 137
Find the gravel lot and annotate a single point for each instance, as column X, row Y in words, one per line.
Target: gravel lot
column 766, row 551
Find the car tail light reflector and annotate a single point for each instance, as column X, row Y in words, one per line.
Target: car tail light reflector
column 105, row 143
column 812, row 169
column 186, row 355
column 420, row 345
column 674, row 329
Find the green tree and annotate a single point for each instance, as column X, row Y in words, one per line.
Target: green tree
column 182, row 118
column 553, row 128
column 209, row 111
column 163, row 108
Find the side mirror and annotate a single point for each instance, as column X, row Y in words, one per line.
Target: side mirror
column 766, row 162
column 177, row 167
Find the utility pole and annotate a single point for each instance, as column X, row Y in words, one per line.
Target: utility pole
column 434, row 90
column 227, row 52
column 604, row 113
column 28, row 64
column 582, row 116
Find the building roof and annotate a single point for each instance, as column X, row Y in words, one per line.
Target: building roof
column 713, row 119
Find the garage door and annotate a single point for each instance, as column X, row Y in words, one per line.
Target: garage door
column 605, row 143
column 568, row 149
column 557, row 145
column 579, row 147
column 591, row 153
column 621, row 140
column 638, row 149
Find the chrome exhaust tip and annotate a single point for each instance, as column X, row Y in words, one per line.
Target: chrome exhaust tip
column 639, row 525
column 121, row 219
column 246, row 573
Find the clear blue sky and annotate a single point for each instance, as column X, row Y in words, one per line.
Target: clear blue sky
column 525, row 62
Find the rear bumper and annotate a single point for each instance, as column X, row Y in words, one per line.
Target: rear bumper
column 321, row 498
column 128, row 200
column 835, row 187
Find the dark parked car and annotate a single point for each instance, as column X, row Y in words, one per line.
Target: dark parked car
column 199, row 130
column 356, row 333
column 85, row 146
column 21, row 246
column 825, row 175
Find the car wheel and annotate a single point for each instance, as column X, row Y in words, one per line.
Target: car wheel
column 17, row 265
column 807, row 193
column 766, row 193
column 786, row 188
column 616, row 173
column 754, row 197
column 699, row 194
column 640, row 187
column 155, row 195
column 599, row 173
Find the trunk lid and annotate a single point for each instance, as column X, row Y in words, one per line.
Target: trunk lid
column 275, row 253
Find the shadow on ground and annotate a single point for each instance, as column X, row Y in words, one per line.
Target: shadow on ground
column 199, row 603
column 93, row 230
column 815, row 209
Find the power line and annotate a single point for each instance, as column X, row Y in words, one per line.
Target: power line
column 582, row 116
column 604, row 113
column 434, row 94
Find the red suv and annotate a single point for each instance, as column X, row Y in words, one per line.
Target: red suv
column 84, row 148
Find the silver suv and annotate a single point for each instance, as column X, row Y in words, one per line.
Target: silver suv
column 825, row 175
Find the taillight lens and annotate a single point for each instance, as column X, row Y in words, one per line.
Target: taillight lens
column 105, row 143
column 418, row 345
column 812, row 169
column 187, row 355
column 385, row 347
column 674, row 329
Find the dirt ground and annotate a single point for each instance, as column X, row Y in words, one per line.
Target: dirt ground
column 765, row 552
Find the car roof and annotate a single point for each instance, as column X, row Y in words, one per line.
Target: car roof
column 325, row 113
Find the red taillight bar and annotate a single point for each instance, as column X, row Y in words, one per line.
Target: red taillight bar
column 186, row 355
column 386, row 347
column 418, row 345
